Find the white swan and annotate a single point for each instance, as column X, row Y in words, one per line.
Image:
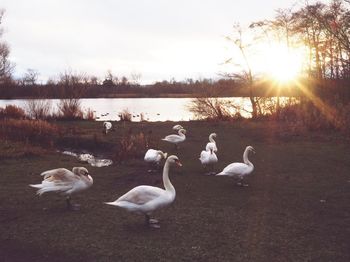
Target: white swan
column 239, row 170
column 153, row 156
column 64, row 181
column 211, row 143
column 146, row 199
column 208, row 158
column 176, row 139
column 107, row 126
column 177, row 127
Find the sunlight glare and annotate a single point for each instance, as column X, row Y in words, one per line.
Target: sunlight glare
column 284, row 65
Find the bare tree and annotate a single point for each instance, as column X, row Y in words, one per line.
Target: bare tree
column 246, row 77
column 72, row 84
column 6, row 67
column 135, row 78
column 30, row 77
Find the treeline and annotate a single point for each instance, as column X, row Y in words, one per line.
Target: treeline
column 75, row 86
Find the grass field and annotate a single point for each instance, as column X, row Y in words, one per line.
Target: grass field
column 296, row 207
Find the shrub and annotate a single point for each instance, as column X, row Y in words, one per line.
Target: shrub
column 323, row 116
column 12, row 111
column 212, row 109
column 125, row 115
column 89, row 114
column 38, row 108
column 132, row 146
column 70, row 109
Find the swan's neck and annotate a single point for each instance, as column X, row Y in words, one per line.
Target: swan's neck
column 211, row 139
column 245, row 158
column 181, row 133
column 166, row 181
column 162, row 155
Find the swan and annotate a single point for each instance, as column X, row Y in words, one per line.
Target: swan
column 66, row 182
column 176, row 139
column 146, row 199
column 208, row 158
column 107, row 126
column 153, row 156
column 177, row 127
column 239, row 170
column 211, row 143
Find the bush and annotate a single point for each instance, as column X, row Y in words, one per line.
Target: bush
column 12, row 111
column 125, row 115
column 312, row 117
column 89, row 114
column 212, row 109
column 38, row 108
column 132, row 146
column 70, row 109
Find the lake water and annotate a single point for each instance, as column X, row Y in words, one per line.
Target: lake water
column 153, row 109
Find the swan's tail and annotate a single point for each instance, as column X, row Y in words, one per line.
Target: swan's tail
column 49, row 187
column 43, row 188
column 125, row 204
column 111, row 203
column 221, row 174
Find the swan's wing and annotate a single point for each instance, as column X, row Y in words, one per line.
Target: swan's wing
column 142, row 194
column 171, row 137
column 213, row 158
column 56, row 180
column 59, row 175
column 107, row 125
column 235, row 169
column 151, row 155
column 203, row 157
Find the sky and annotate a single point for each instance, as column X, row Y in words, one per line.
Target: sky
column 158, row 39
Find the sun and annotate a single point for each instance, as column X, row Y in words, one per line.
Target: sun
column 283, row 64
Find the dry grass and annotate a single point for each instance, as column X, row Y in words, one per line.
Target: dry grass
column 29, row 131
column 296, row 207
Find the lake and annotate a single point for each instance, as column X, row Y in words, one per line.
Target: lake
column 152, row 109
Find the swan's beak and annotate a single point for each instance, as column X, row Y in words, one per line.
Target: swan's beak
column 178, row 163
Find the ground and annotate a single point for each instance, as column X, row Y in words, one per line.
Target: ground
column 296, row 207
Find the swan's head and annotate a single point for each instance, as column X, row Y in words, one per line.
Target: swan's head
column 80, row 171
column 213, row 134
column 183, row 131
column 163, row 155
column 174, row 160
column 250, row 149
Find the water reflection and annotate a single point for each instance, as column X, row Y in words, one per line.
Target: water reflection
column 89, row 158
